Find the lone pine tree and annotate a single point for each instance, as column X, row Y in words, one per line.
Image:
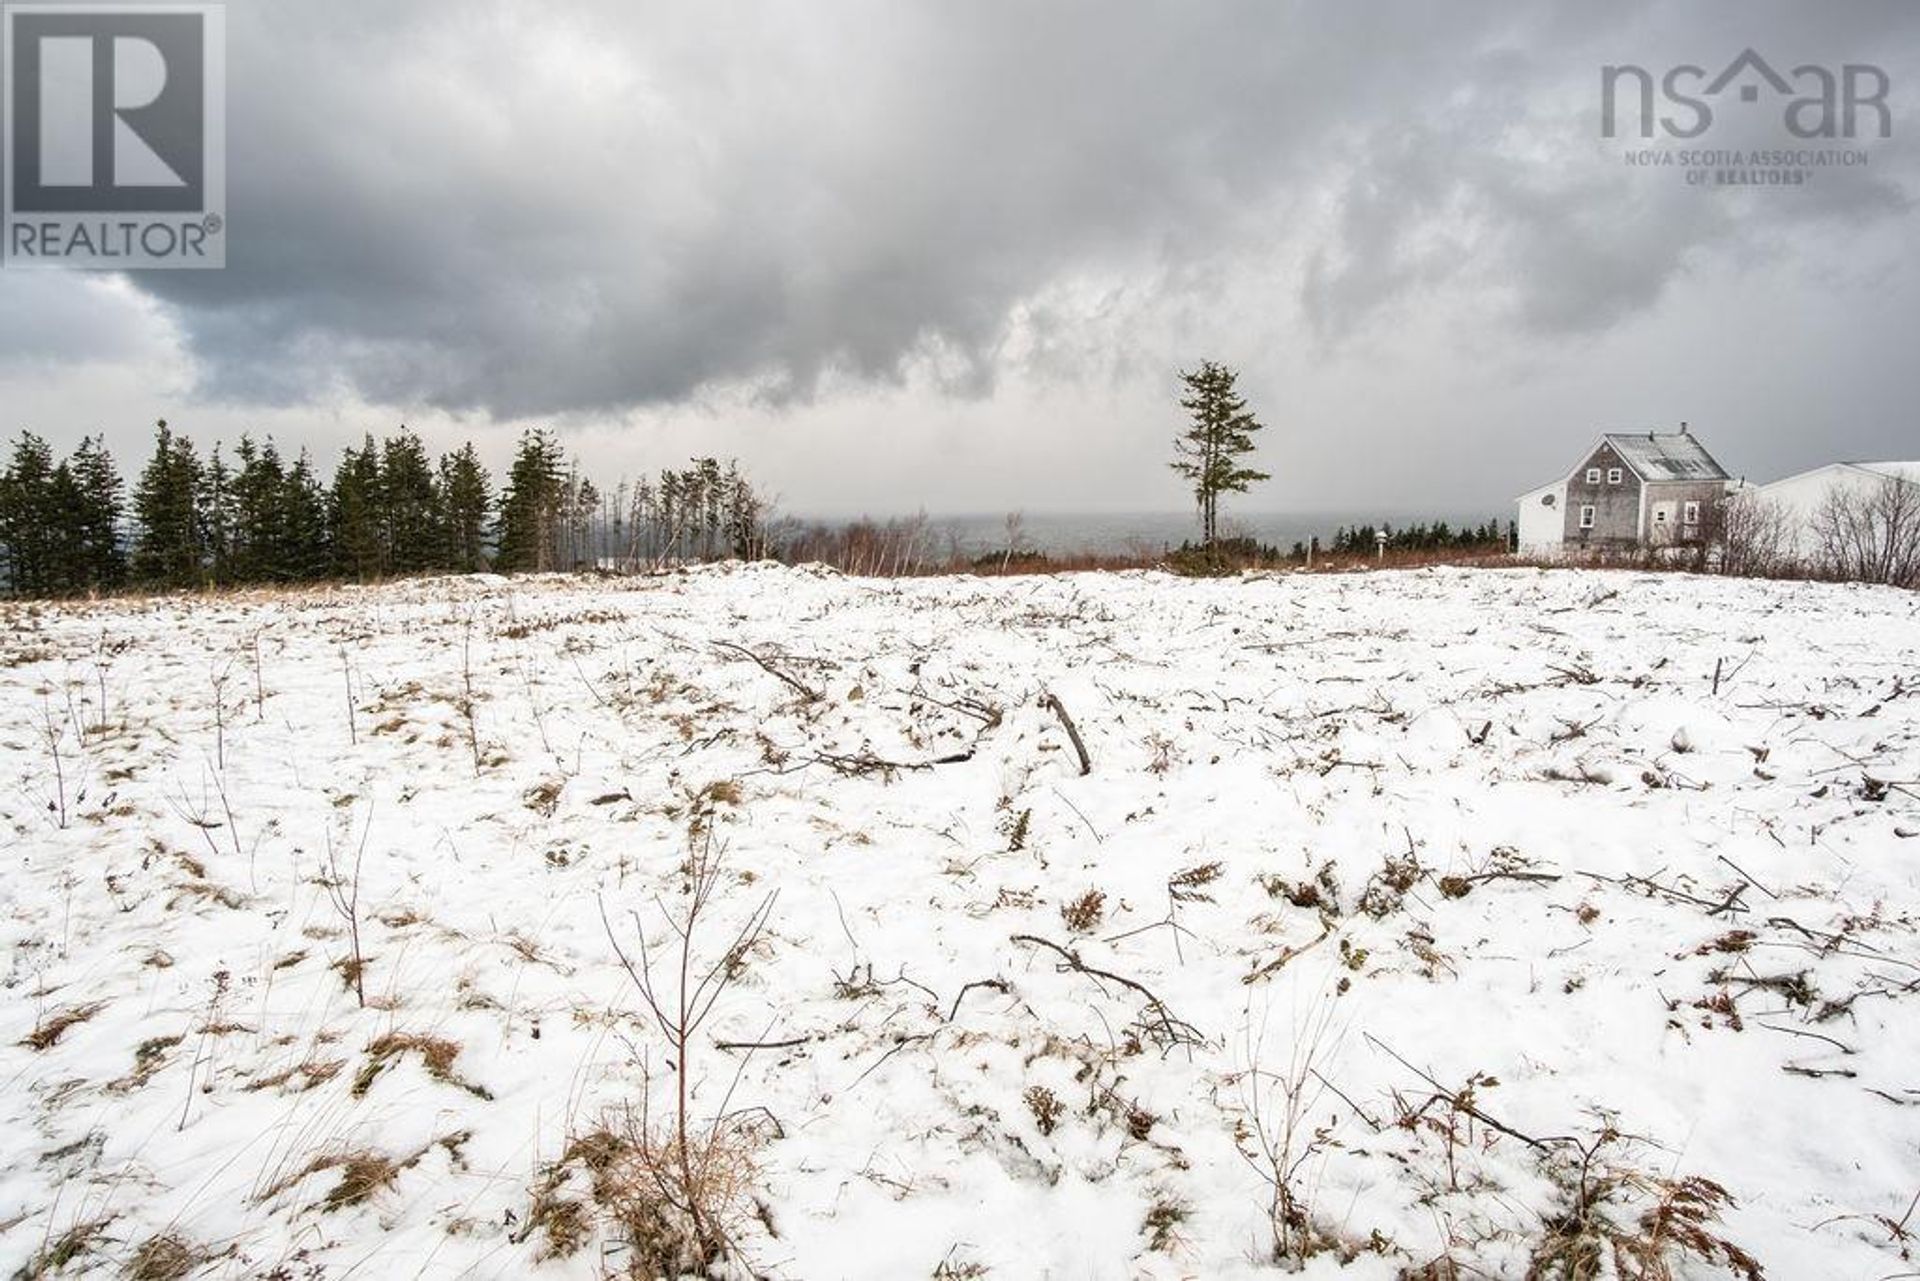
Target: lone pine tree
column 1210, row 450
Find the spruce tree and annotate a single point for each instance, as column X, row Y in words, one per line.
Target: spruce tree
column 409, row 507
column 166, row 506
column 66, row 564
column 358, row 542
column 1209, row 451
column 259, row 536
column 466, row 498
column 217, row 518
column 305, row 550
column 530, row 505
column 95, row 525
column 27, row 517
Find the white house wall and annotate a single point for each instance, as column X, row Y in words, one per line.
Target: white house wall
column 1540, row 526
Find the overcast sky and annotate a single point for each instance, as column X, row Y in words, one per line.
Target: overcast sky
column 896, row 254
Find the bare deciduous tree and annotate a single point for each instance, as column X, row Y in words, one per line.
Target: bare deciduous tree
column 1870, row 534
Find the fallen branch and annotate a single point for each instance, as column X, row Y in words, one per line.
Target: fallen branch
column 1286, row 954
column 1059, row 709
column 1156, row 1017
column 793, row 682
column 867, row 763
column 996, row 985
column 1463, row 1105
column 787, row 1044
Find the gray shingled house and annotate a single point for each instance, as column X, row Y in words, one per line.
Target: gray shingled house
column 1631, row 492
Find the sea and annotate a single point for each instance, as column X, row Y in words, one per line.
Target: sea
column 1150, row 533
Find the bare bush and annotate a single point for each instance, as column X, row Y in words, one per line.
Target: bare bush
column 1279, row 1139
column 1753, row 538
column 1870, row 535
column 684, row 1185
column 1677, row 1224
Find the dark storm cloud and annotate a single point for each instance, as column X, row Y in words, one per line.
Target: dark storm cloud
column 520, row 210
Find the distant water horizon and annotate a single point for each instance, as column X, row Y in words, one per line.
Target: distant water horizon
column 1146, row 532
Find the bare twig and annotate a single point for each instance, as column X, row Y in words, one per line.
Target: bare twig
column 1157, row 1019
column 1052, row 702
column 793, row 682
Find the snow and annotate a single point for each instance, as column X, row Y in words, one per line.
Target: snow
column 1556, row 734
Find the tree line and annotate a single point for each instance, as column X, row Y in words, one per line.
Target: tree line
column 192, row 519
column 1423, row 537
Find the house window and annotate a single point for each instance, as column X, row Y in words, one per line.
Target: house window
column 1690, row 514
column 1586, row 516
column 1593, row 475
column 1660, row 515
column 1613, row 475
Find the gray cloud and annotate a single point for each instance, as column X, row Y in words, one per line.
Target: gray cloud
column 501, row 211
column 519, row 212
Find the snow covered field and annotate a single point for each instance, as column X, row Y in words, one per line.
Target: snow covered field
column 1460, row 905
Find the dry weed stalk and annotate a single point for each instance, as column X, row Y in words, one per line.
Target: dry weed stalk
column 700, row 1175
column 346, row 675
column 1679, row 1223
column 1279, row 1140
column 466, row 693
column 343, row 891
column 259, row 679
column 53, row 731
column 217, row 677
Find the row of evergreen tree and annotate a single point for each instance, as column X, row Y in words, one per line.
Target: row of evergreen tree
column 193, row 520
column 1423, row 537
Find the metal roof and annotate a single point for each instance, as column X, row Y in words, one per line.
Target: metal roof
column 1673, row 456
column 1909, row 472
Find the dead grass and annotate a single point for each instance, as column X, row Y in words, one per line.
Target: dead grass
column 1587, row 1240
column 1084, row 913
column 47, row 1033
column 312, row 1072
column 543, row 798
column 671, row 1219
column 436, row 1055
column 165, row 1258
column 1162, row 1225
column 351, row 969
column 148, row 1058
column 363, row 1174
column 1045, row 1107
column 206, row 891
column 77, row 1242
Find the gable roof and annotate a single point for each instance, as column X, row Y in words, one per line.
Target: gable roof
column 1674, row 456
column 1909, row 472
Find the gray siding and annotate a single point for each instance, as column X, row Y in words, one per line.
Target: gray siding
column 1616, row 506
column 1673, row 497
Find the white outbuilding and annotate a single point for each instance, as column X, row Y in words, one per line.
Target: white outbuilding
column 1796, row 499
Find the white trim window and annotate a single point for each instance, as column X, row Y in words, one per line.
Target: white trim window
column 1593, row 475
column 1613, row 475
column 1690, row 514
column 1586, row 516
column 1660, row 514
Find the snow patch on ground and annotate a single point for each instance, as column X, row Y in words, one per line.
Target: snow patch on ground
column 1477, row 869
